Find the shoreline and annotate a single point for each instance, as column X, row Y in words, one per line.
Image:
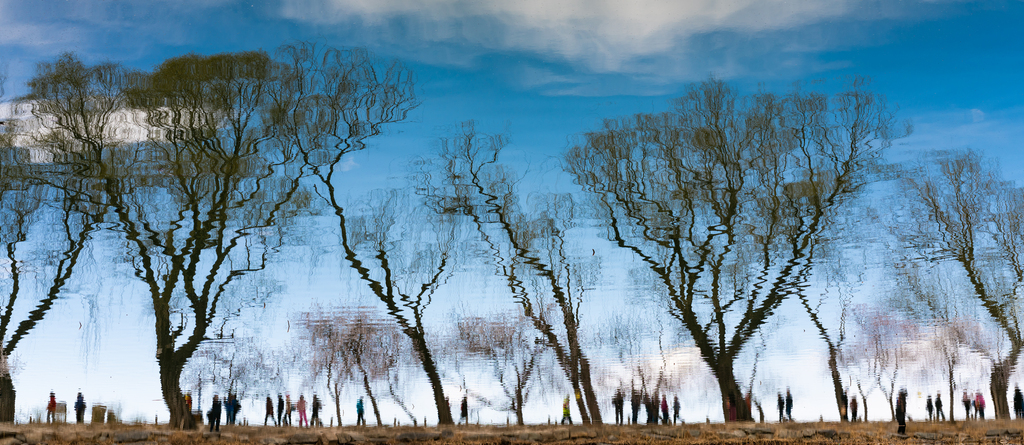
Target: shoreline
column 995, row 431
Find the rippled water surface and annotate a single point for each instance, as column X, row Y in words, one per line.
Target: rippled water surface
column 533, row 210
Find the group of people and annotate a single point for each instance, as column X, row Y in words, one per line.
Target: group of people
column 51, row 408
column 786, row 407
column 935, row 408
column 637, row 398
column 231, row 407
column 285, row 407
column 975, row 404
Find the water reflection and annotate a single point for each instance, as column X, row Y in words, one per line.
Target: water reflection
column 710, row 218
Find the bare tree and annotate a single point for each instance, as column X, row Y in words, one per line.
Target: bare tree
column 509, row 347
column 974, row 220
column 234, row 365
column 337, row 100
column 725, row 198
column 529, row 249
column 349, row 344
column 883, row 347
column 195, row 198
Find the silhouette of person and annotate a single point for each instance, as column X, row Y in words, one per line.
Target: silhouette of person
column 280, row 408
column 214, row 414
column 464, row 410
column 360, row 420
column 270, row 412
column 80, row 409
column 675, row 410
column 789, row 405
column 565, row 411
column 619, row 401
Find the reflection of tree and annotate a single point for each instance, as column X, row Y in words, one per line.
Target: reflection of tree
column 408, row 256
column 68, row 228
column 922, row 292
column 235, row 365
column 26, row 201
column 834, row 340
column 195, row 200
column 975, row 221
column 475, row 185
column 883, row 347
column 336, row 100
column 725, row 198
column 510, row 350
column 351, row 344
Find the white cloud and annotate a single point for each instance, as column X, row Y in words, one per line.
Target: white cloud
column 606, row 35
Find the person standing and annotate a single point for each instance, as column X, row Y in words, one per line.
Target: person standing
column 237, row 409
column 214, row 414
column 229, row 409
column 288, row 409
column 1018, row 403
column 789, row 405
column 967, row 405
column 80, row 409
column 301, row 406
column 930, row 407
column 675, row 410
column 853, row 409
column 843, row 403
column 280, row 409
column 51, row 408
column 634, row 404
column 565, row 411
column 782, row 408
column 315, row 418
column 938, row 407
column 188, row 402
column 979, row 401
column 665, row 409
column 619, row 402
column 464, row 410
column 901, row 412
column 270, row 412
column 360, row 420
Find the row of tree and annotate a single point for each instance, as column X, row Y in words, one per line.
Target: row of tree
column 730, row 204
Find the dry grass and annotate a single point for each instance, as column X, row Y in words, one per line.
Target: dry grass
column 849, row 433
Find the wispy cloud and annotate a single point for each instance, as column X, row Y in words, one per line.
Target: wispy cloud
column 653, row 42
column 606, row 35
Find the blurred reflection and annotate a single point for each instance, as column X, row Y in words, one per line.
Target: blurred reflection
column 725, row 200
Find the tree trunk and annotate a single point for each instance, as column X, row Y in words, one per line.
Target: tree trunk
column 952, row 401
column 170, row 386
column 519, row 404
column 728, row 386
column 7, row 395
column 444, row 412
column 588, row 392
column 1000, row 385
column 336, row 390
column 864, row 399
column 837, row 383
column 373, row 399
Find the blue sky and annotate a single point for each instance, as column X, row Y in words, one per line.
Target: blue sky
column 548, row 70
